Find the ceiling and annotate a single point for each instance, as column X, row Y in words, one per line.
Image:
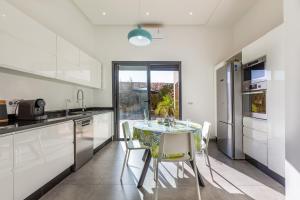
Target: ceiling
column 166, row 12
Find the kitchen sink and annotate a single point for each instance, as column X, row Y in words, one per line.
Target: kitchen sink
column 79, row 113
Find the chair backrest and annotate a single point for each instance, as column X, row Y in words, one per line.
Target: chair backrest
column 174, row 143
column 126, row 132
column 206, row 133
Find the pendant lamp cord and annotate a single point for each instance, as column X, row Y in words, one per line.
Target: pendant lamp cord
column 139, row 13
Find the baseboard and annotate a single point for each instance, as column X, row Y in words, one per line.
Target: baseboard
column 48, row 186
column 102, row 145
column 266, row 170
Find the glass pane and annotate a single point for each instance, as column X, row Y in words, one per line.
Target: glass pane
column 258, row 103
column 133, row 94
column 164, row 96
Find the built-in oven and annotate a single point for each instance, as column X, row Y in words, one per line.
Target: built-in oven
column 254, row 102
column 255, row 89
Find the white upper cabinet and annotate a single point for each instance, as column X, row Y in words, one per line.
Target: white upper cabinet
column 30, row 47
column 68, row 67
column 76, row 66
column 25, row 44
column 6, row 167
column 90, row 70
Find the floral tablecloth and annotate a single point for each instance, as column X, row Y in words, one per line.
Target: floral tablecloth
column 149, row 133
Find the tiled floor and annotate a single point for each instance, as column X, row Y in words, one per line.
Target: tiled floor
column 99, row 179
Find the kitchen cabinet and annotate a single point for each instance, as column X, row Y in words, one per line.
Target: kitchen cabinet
column 40, row 155
column 26, row 45
column 30, row 47
column 103, row 128
column 256, row 144
column 68, row 67
column 271, row 45
column 90, row 70
column 6, row 167
column 256, row 149
column 74, row 65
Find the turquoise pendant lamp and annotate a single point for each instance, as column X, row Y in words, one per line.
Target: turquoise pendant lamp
column 139, row 37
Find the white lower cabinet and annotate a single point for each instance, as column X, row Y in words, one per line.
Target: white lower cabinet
column 103, row 128
column 40, row 155
column 6, row 167
column 258, row 150
column 255, row 140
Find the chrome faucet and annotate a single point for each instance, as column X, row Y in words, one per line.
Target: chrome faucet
column 80, row 91
column 67, row 107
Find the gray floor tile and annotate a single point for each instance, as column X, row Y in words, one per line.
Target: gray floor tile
column 99, row 179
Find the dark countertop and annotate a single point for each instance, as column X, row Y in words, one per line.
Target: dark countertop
column 54, row 117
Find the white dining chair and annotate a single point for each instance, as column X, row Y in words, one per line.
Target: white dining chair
column 204, row 144
column 176, row 143
column 130, row 144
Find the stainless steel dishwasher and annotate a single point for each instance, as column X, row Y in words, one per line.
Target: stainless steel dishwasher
column 83, row 141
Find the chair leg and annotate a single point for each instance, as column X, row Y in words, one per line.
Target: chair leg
column 204, row 157
column 207, row 157
column 182, row 169
column 197, row 181
column 156, row 180
column 124, row 162
column 177, row 170
column 128, row 157
column 154, row 168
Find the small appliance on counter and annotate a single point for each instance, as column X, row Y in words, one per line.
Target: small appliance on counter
column 31, row 110
column 3, row 112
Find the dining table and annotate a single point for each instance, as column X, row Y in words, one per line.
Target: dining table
column 148, row 133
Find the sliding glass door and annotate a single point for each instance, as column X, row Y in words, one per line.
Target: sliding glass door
column 145, row 90
column 164, row 94
column 132, row 94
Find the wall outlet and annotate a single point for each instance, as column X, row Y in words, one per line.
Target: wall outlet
column 11, row 106
column 190, row 103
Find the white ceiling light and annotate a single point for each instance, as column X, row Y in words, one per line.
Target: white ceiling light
column 147, row 13
column 3, row 15
column 191, row 13
column 103, row 13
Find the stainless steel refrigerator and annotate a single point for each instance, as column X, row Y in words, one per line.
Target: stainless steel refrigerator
column 229, row 110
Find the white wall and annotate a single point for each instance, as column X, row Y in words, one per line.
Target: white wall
column 292, row 60
column 260, row 19
column 63, row 18
column 198, row 48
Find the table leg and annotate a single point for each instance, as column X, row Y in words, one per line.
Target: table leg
column 145, row 168
column 145, row 155
column 201, row 182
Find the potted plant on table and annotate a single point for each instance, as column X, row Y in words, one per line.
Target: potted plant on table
column 166, row 108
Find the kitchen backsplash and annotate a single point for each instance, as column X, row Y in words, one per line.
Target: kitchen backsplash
column 15, row 86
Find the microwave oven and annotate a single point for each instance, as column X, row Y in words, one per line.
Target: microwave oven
column 254, row 71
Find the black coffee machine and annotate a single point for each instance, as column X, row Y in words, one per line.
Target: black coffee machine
column 31, row 110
